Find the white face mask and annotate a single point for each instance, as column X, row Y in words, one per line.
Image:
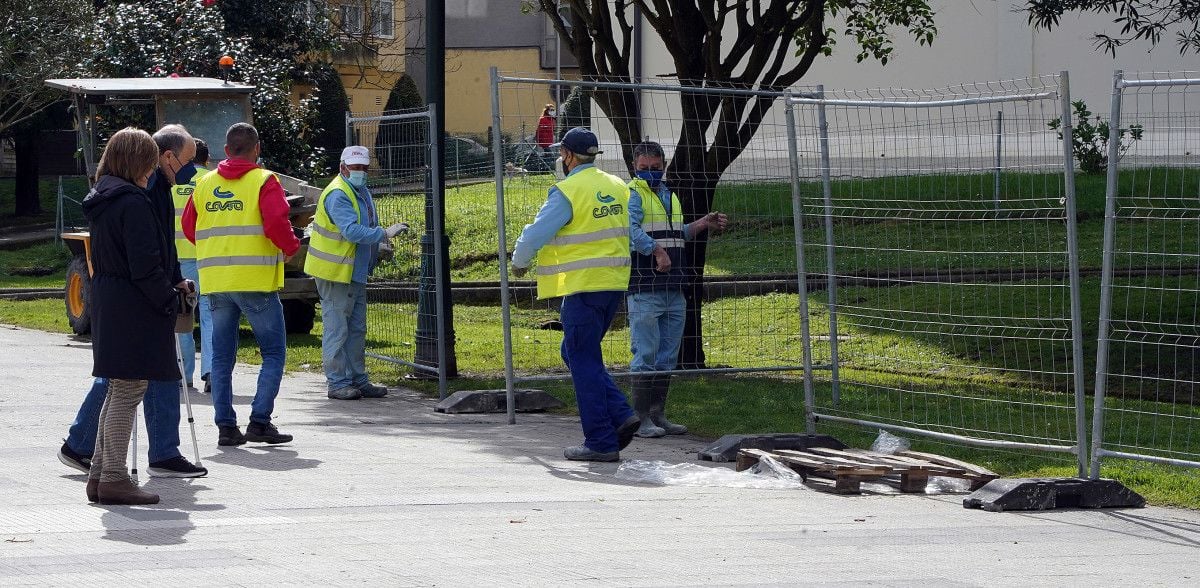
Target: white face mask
column 560, row 169
column 552, row 112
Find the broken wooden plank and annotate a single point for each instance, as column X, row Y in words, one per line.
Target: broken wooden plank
column 949, row 461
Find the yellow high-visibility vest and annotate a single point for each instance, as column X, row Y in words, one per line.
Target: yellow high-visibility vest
column 590, row 253
column 330, row 255
column 665, row 229
column 233, row 253
column 180, row 193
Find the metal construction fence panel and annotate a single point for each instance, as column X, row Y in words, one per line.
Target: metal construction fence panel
column 941, row 227
column 1147, row 395
column 402, row 325
column 741, row 291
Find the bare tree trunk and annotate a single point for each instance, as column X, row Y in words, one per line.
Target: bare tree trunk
column 28, row 197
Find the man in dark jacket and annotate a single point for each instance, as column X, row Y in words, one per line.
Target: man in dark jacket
column 176, row 149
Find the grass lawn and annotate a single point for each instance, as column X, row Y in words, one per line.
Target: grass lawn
column 74, row 187
column 17, row 264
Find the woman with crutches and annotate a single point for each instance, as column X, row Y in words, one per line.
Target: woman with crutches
column 134, row 305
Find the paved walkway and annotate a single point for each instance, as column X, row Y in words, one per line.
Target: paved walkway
column 387, row 492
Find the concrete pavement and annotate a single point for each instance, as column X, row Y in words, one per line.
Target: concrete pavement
column 387, row 492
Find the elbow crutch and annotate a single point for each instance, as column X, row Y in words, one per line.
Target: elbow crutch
column 187, row 399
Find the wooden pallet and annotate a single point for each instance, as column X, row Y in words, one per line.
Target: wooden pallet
column 848, row 468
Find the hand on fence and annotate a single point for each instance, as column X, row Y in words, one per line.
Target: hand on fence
column 396, row 229
column 716, row 221
column 662, row 261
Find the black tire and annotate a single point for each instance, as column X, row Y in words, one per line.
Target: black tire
column 298, row 316
column 77, row 296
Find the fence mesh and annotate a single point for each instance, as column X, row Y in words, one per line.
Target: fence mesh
column 747, row 309
column 1149, row 338
column 939, row 239
column 398, row 325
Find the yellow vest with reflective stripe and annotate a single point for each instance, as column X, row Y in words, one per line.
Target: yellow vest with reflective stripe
column 330, row 255
column 656, row 219
column 590, row 253
column 232, row 252
column 181, row 194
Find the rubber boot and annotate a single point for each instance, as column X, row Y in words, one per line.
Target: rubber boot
column 658, row 404
column 642, row 391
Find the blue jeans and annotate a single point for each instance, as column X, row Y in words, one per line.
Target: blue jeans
column 161, row 406
column 602, row 406
column 343, row 333
column 655, row 329
column 264, row 312
column 186, row 341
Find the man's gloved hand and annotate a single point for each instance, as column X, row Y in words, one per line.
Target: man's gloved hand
column 386, row 251
column 520, row 271
column 396, row 229
column 186, row 286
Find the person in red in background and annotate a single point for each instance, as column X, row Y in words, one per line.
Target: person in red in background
column 238, row 219
column 544, row 136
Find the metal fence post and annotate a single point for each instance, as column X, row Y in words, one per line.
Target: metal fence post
column 439, row 260
column 1106, row 272
column 349, row 129
column 505, row 304
column 1064, row 91
column 58, row 215
column 810, row 425
column 831, row 273
column 998, row 162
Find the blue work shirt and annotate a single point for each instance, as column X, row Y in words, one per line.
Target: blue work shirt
column 361, row 229
column 639, row 241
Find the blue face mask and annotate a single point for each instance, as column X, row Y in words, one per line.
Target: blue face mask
column 185, row 174
column 357, row 179
column 653, row 177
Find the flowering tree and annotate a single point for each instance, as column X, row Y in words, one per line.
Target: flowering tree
column 155, row 38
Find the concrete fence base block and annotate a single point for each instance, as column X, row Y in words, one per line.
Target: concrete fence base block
column 1048, row 493
column 727, row 447
column 469, row 401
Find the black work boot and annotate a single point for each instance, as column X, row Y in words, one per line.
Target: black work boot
column 658, row 404
column 230, row 436
column 642, row 391
column 265, row 433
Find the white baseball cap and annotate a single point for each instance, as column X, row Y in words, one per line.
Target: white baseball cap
column 356, row 155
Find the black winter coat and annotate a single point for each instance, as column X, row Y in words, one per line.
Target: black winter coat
column 134, row 300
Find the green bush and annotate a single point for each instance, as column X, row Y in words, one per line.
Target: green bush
column 1089, row 138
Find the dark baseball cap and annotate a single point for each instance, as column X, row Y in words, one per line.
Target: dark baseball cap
column 580, row 140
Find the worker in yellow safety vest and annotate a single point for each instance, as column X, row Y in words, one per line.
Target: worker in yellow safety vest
column 181, row 193
column 656, row 304
column 581, row 238
column 342, row 251
column 238, row 218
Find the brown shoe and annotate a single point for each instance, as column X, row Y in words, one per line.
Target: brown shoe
column 92, row 494
column 123, row 492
